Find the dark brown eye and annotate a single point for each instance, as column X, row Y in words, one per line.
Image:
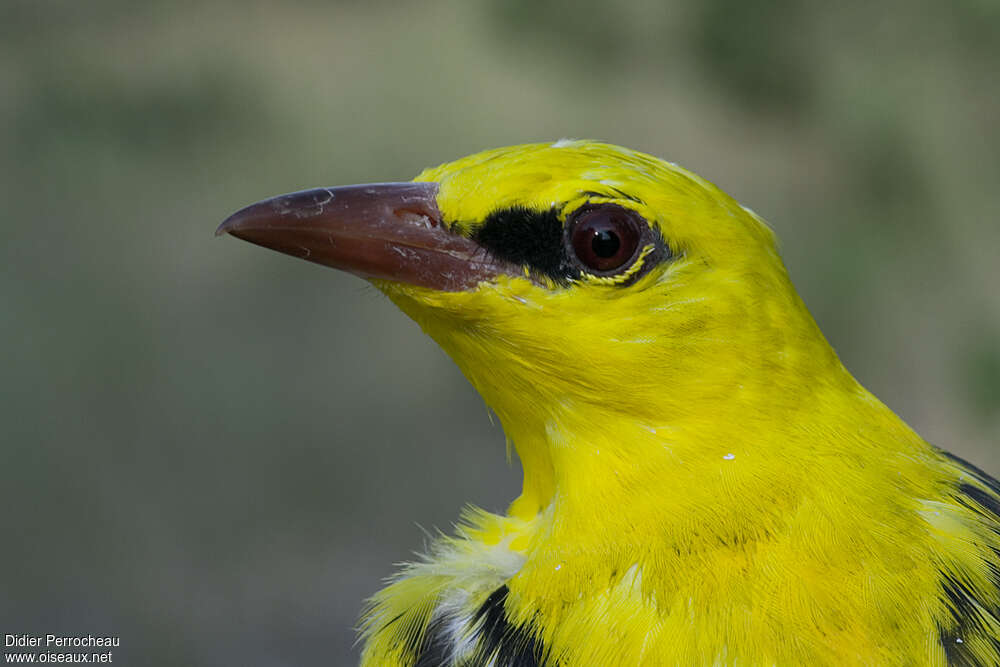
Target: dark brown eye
column 605, row 239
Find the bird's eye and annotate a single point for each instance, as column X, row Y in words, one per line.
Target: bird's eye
column 604, row 239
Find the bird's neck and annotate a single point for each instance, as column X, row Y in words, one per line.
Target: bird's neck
column 714, row 430
column 751, row 457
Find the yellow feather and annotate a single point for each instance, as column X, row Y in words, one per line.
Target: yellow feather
column 704, row 482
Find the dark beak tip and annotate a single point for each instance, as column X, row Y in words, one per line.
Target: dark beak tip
column 230, row 224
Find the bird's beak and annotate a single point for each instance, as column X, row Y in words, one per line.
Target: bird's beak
column 388, row 231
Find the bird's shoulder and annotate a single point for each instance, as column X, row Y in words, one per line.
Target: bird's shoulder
column 462, row 604
column 450, row 606
column 970, row 571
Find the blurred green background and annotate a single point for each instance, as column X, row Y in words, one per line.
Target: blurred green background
column 216, row 452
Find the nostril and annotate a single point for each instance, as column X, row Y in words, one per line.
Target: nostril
column 417, row 211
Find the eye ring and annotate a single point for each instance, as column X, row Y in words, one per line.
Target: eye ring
column 604, row 239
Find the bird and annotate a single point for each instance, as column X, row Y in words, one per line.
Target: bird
column 704, row 482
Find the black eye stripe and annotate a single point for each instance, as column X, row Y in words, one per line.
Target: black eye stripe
column 528, row 238
column 537, row 241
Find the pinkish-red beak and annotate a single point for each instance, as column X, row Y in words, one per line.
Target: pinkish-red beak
column 387, row 231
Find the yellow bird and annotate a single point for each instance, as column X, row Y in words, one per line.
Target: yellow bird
column 704, row 482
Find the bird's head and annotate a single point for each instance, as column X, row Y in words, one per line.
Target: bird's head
column 584, row 289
